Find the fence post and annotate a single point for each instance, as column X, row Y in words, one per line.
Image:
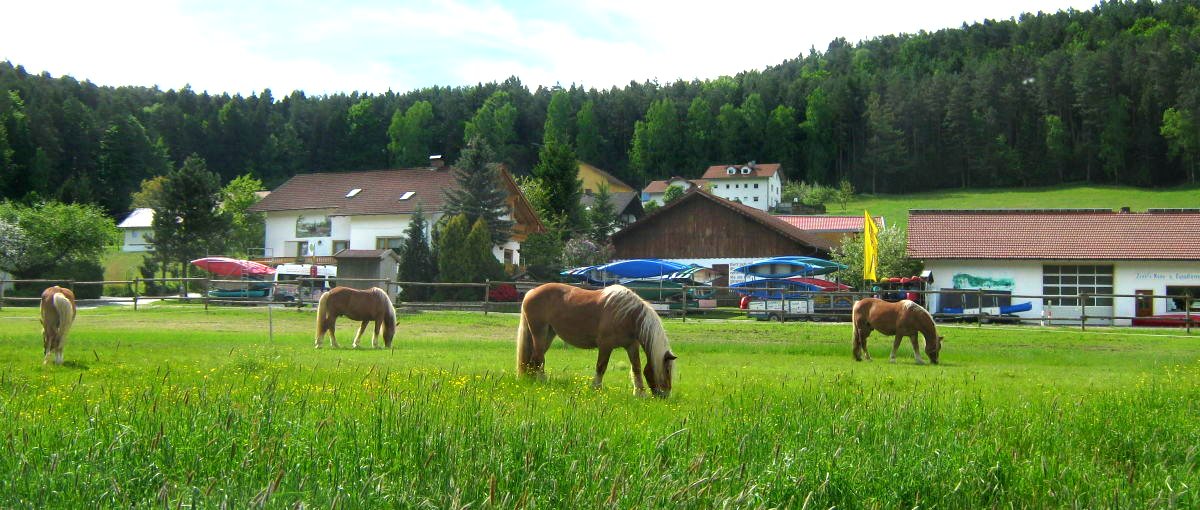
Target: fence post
column 1187, row 313
column 3, row 283
column 1083, row 311
column 137, row 282
column 979, row 308
column 487, row 287
column 684, row 289
column 204, row 289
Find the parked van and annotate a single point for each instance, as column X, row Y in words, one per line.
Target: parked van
column 289, row 286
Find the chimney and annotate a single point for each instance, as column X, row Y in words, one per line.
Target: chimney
column 1125, row 210
column 435, row 161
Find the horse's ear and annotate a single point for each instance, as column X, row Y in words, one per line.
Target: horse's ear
column 941, row 339
column 671, row 355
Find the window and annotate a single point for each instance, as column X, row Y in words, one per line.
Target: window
column 340, row 245
column 756, row 185
column 383, row 243
column 353, row 192
column 755, row 199
column 407, row 195
column 508, row 257
column 727, row 186
column 1071, row 281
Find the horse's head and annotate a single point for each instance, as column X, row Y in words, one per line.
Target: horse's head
column 661, row 388
column 389, row 331
column 933, row 348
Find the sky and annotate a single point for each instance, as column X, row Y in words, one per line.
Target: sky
column 325, row 47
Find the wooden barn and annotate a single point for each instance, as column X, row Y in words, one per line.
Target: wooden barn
column 708, row 230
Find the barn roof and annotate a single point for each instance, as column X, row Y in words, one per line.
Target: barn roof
column 769, row 221
column 1066, row 234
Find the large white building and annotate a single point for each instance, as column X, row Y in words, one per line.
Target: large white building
column 1050, row 258
column 757, row 185
column 317, row 215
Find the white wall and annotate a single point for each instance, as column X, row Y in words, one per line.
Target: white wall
column 1128, row 277
column 135, row 239
column 768, row 192
column 281, row 228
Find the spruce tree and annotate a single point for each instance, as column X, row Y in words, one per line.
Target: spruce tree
column 602, row 218
column 558, row 170
column 188, row 223
column 479, row 193
column 454, row 262
column 417, row 263
column 479, row 249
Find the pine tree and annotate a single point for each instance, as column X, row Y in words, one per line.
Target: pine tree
column 558, row 171
column 454, row 262
column 495, row 124
column 558, row 120
column 417, row 263
column 187, row 222
column 479, row 193
column 479, row 249
column 602, row 218
column 588, row 142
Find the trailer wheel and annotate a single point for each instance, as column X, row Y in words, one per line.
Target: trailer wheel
column 775, row 317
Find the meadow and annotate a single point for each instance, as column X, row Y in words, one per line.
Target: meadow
column 174, row 407
column 894, row 208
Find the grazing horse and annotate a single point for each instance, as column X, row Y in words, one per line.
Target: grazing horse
column 595, row 319
column 901, row 319
column 58, row 313
column 369, row 305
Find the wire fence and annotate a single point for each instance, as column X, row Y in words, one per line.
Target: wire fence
column 687, row 301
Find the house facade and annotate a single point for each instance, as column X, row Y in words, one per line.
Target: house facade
column 757, row 185
column 315, row 216
column 1063, row 255
column 592, row 177
column 136, row 230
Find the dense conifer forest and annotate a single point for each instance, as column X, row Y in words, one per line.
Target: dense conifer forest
column 1108, row 95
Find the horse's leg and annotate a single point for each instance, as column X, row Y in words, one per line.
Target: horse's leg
column 375, row 338
column 866, row 332
column 601, row 367
column 916, row 348
column 361, row 329
column 635, row 365
column 857, row 350
column 896, row 346
column 333, row 333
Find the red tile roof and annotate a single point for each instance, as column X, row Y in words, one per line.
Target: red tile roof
column 661, row 186
column 756, row 170
column 1067, row 234
column 381, row 191
column 827, row 223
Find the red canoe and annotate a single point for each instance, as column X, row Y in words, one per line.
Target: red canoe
column 225, row 266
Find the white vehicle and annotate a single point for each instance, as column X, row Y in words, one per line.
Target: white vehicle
column 779, row 310
column 289, row 286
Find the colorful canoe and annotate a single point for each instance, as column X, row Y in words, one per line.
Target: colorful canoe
column 784, row 267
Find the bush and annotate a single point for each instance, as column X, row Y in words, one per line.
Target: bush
column 79, row 271
column 504, row 292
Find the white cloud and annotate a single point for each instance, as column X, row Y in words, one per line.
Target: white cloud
column 326, row 48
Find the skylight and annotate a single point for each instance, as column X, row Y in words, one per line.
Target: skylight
column 353, row 192
column 407, row 195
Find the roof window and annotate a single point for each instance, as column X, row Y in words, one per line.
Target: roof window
column 731, row 170
column 746, row 170
column 407, row 195
column 353, row 192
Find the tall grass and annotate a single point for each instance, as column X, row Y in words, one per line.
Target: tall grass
column 181, row 408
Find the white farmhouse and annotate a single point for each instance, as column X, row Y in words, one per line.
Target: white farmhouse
column 315, row 216
column 655, row 191
column 757, row 185
column 136, row 227
column 1064, row 262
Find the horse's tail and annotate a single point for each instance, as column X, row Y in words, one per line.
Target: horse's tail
column 524, row 343
column 322, row 310
column 66, row 316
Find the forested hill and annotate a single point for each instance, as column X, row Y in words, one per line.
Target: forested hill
column 1109, row 95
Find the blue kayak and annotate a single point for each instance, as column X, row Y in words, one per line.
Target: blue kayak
column 784, row 267
column 776, row 288
column 641, row 268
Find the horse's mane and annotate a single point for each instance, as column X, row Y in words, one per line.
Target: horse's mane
column 909, row 306
column 391, row 310
column 623, row 303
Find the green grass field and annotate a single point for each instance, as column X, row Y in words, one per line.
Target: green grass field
column 172, row 406
column 894, row 208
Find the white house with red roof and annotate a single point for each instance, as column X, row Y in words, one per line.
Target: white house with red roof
column 833, row 229
column 317, row 215
column 655, row 191
column 758, row 185
column 1063, row 254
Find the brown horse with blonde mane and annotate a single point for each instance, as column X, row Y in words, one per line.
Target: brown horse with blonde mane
column 607, row 319
column 58, row 313
column 904, row 318
column 372, row 304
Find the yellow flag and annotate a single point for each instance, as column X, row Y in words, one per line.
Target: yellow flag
column 870, row 247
